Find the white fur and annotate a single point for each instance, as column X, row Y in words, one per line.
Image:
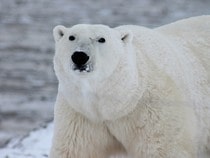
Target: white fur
column 148, row 95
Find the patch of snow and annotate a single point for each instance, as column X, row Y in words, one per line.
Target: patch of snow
column 35, row 145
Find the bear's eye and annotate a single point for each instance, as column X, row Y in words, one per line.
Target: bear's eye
column 102, row 40
column 71, row 38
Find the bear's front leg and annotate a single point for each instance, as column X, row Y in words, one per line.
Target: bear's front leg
column 157, row 132
column 77, row 137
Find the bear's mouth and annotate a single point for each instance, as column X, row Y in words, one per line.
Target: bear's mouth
column 83, row 68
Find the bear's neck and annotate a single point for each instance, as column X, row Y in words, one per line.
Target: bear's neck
column 120, row 93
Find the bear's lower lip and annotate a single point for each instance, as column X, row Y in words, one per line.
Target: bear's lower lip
column 82, row 68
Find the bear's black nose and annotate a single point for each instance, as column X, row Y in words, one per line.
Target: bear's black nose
column 79, row 58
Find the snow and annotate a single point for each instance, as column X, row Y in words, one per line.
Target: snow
column 35, row 145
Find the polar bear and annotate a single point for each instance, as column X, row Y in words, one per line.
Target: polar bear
column 133, row 91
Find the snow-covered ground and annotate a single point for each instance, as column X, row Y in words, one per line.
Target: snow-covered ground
column 27, row 81
column 35, row 145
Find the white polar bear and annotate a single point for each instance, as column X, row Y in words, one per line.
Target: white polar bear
column 130, row 90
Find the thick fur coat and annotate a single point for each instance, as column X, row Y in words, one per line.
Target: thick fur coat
column 133, row 91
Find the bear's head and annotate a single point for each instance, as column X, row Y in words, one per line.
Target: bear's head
column 89, row 50
column 96, row 68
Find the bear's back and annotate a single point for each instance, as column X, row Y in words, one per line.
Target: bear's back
column 194, row 34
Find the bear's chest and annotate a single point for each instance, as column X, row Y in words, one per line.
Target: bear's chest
column 104, row 103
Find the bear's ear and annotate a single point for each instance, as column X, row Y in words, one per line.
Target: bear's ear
column 126, row 36
column 58, row 32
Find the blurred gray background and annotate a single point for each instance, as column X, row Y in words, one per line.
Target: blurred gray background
column 27, row 82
